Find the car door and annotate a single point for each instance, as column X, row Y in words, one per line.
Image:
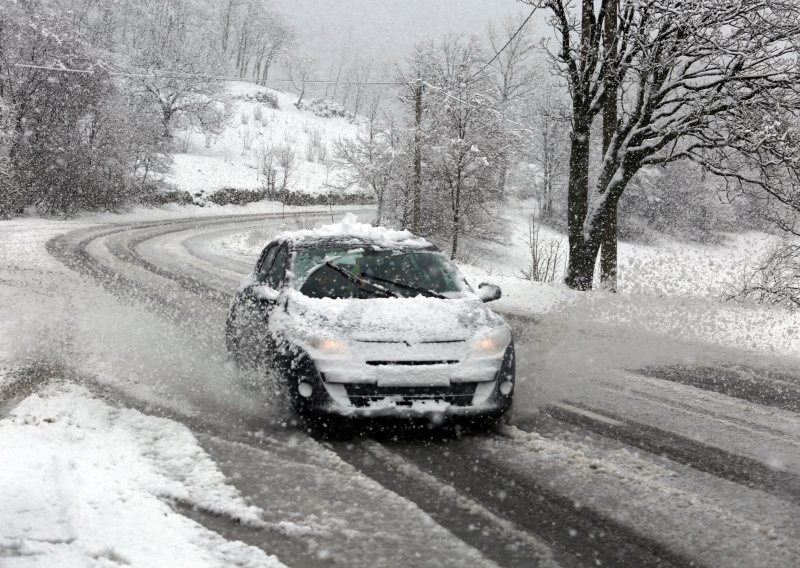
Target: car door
column 250, row 310
column 261, row 297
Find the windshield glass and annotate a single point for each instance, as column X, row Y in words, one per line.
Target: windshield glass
column 375, row 273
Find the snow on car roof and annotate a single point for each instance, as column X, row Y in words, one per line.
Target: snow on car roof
column 350, row 229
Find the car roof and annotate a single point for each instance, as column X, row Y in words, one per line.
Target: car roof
column 352, row 241
column 349, row 232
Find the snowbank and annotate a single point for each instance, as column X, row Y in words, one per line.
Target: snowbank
column 86, row 484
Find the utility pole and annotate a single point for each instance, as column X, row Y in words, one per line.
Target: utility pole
column 417, row 154
column 608, row 246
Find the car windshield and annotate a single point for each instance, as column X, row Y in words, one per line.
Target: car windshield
column 375, row 273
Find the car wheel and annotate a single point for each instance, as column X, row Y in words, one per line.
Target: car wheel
column 329, row 427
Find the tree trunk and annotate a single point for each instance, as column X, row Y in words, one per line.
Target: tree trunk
column 454, row 248
column 580, row 268
column 608, row 254
column 379, row 194
column 608, row 249
column 456, row 217
column 417, row 153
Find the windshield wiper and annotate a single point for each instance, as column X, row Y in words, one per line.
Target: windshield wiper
column 358, row 281
column 418, row 289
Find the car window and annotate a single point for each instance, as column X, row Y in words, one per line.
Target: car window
column 277, row 271
column 398, row 272
column 265, row 263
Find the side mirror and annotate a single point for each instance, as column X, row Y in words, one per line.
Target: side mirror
column 265, row 293
column 488, row 292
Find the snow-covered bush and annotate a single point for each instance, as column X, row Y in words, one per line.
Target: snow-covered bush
column 325, row 108
column 154, row 195
column 230, row 195
column 268, row 98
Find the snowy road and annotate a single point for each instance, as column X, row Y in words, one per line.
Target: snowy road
column 663, row 466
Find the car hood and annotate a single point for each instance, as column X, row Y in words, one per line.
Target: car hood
column 417, row 319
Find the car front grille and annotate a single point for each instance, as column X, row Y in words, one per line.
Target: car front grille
column 414, row 363
column 362, row 395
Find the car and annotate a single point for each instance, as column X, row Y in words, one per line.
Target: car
column 356, row 321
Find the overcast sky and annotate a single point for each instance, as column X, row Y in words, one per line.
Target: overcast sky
column 386, row 30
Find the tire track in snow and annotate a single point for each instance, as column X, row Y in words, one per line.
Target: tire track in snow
column 752, row 385
column 739, row 469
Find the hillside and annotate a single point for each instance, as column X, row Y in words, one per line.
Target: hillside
column 235, row 158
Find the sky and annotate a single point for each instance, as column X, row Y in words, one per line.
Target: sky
column 385, row 31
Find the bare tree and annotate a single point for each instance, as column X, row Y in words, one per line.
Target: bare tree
column 774, row 280
column 300, row 69
column 511, row 51
column 287, row 160
column 692, row 79
column 546, row 260
column 467, row 140
column 368, row 160
column 547, row 144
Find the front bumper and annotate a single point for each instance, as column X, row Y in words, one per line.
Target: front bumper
column 424, row 391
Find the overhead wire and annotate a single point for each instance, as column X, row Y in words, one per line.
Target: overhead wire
column 172, row 74
column 513, row 36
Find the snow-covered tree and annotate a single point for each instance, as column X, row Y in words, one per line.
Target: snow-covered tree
column 77, row 140
column 369, row 160
column 695, row 79
column 462, row 138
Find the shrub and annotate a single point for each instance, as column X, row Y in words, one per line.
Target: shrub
column 268, row 98
column 319, row 199
column 325, row 108
column 233, row 196
column 154, row 195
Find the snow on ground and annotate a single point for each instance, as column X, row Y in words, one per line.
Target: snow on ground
column 234, row 158
column 96, row 491
column 716, row 522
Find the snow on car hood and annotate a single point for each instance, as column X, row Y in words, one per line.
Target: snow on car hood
column 387, row 319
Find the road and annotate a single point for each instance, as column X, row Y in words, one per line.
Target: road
column 658, row 466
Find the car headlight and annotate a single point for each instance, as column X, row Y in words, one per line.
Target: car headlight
column 328, row 345
column 492, row 342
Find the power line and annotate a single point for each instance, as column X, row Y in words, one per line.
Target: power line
column 171, row 74
column 168, row 74
column 476, row 104
column 496, row 55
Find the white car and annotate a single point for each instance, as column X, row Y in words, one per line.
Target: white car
column 362, row 321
